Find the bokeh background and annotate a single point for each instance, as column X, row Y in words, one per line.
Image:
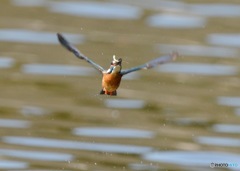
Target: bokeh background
column 184, row 115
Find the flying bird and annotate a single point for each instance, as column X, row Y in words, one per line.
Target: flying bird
column 111, row 78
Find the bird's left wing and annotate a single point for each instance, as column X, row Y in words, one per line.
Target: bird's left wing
column 77, row 53
column 152, row 63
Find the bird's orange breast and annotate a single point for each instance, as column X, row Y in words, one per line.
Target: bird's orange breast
column 110, row 82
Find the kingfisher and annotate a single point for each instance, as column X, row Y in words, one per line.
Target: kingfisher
column 111, row 78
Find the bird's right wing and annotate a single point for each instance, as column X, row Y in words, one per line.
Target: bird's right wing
column 152, row 63
column 77, row 53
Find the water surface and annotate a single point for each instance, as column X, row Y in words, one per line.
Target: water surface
column 8, row 164
column 227, row 128
column 124, row 103
column 219, row 141
column 199, row 69
column 113, row 132
column 182, row 117
column 26, row 3
column 176, row 21
column 6, row 62
column 200, row 50
column 14, row 123
column 216, row 9
column 224, row 39
column 33, row 110
column 38, row 37
column 101, row 10
column 76, row 145
column 192, row 158
column 55, row 69
column 229, row 101
column 36, row 155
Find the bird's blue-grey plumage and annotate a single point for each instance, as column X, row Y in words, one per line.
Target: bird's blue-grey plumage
column 77, row 53
column 152, row 63
column 112, row 77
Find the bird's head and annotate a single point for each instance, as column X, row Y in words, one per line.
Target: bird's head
column 116, row 62
column 116, row 66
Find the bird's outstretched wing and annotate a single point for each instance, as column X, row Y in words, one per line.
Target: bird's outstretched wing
column 77, row 53
column 152, row 63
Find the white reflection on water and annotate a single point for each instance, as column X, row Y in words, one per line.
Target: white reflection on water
column 36, row 155
column 76, row 145
column 112, row 132
column 33, row 110
column 215, row 9
column 29, row 36
column 199, row 50
column 192, row 121
column 7, row 164
column 102, row 10
column 14, row 123
column 218, row 141
column 144, row 167
column 6, row 62
column 155, row 4
column 28, row 3
column 41, row 170
column 200, row 69
column 226, row 128
column 131, row 76
column 125, row 103
column 237, row 111
column 176, row 21
column 191, row 158
column 55, row 69
column 229, row 101
column 203, row 9
column 224, row 39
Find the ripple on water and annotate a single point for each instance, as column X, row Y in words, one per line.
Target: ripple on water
column 27, row 3
column 112, row 132
column 192, row 158
column 199, row 69
column 176, row 21
column 14, row 123
column 155, row 4
column 33, row 110
column 125, row 103
column 226, row 128
column 6, row 62
column 192, row 121
column 224, row 39
column 144, row 167
column 237, row 111
column 229, row 101
column 8, row 164
column 199, row 50
column 55, row 69
column 101, row 10
column 215, row 9
column 131, row 76
column 218, row 141
column 76, row 145
column 29, row 36
column 36, row 155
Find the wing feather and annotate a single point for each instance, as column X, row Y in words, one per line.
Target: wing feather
column 63, row 41
column 152, row 63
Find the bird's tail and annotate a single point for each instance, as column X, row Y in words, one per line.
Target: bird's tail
column 114, row 93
